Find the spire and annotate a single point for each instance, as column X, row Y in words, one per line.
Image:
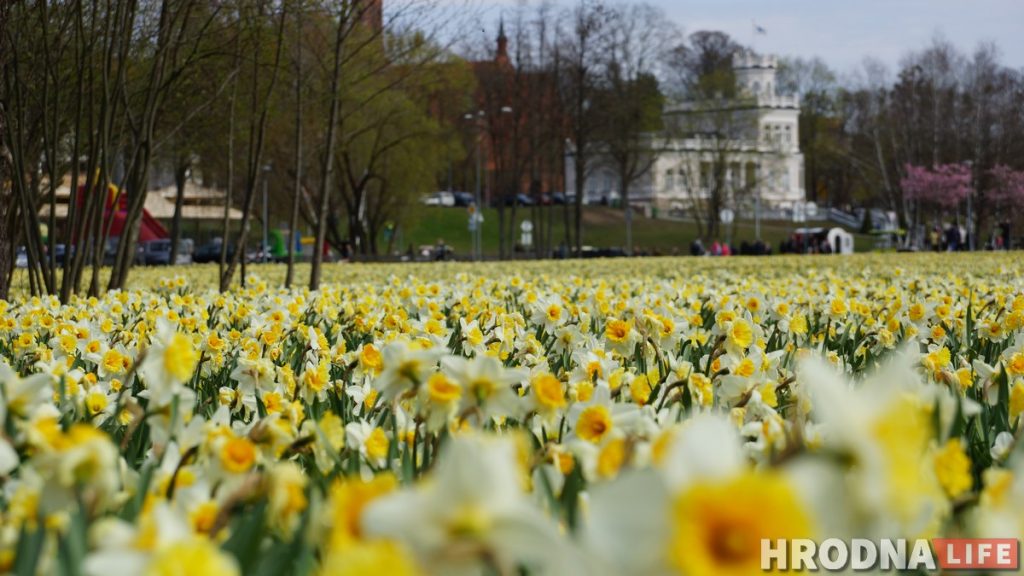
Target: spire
column 502, row 55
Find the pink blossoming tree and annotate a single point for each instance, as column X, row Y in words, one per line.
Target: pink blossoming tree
column 1007, row 186
column 945, row 185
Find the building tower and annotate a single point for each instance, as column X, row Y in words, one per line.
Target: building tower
column 501, row 56
column 755, row 74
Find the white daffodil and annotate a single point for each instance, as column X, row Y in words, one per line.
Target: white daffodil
column 487, row 385
column 474, row 340
column 704, row 514
column 170, row 361
column 21, row 396
column 161, row 539
column 886, row 425
column 1002, row 446
column 593, row 366
column 1000, row 512
column 370, row 441
column 550, row 313
column 472, row 513
column 599, row 418
column 8, row 458
column 405, row 367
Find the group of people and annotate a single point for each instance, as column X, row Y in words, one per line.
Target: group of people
column 806, row 244
column 718, row 248
column 948, row 238
column 953, row 237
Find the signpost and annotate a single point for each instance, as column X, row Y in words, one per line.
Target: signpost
column 475, row 220
column 526, row 239
column 726, row 216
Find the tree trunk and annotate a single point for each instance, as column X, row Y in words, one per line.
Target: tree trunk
column 328, row 162
column 180, row 177
column 293, row 223
column 6, row 175
column 581, row 174
column 223, row 280
column 627, row 209
column 257, row 140
column 7, row 219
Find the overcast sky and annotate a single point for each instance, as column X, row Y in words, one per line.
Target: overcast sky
column 843, row 32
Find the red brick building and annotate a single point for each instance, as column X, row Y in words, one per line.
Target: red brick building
column 512, row 114
column 520, row 123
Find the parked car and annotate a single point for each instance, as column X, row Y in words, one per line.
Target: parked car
column 520, row 199
column 256, row 254
column 186, row 247
column 464, row 199
column 439, row 199
column 562, row 198
column 110, row 252
column 158, row 252
column 210, row 252
column 60, row 253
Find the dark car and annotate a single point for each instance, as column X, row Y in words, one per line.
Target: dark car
column 210, row 252
column 463, row 199
column 520, row 199
column 156, row 252
column 60, row 254
column 110, row 252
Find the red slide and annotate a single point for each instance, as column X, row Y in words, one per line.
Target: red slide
column 149, row 229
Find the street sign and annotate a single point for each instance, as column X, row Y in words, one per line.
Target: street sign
column 726, row 216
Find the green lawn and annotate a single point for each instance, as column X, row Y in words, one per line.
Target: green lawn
column 603, row 227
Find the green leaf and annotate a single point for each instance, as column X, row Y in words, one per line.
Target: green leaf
column 28, row 551
column 247, row 533
column 574, row 484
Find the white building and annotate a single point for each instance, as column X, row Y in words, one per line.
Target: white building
column 746, row 147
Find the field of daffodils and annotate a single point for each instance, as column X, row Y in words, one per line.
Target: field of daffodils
column 601, row 417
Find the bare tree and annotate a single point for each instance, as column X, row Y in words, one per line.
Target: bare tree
column 8, row 210
column 630, row 97
column 261, row 96
column 177, row 41
column 293, row 220
column 579, row 49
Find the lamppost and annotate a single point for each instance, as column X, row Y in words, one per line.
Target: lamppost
column 476, row 224
column 266, row 215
